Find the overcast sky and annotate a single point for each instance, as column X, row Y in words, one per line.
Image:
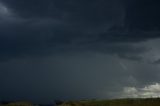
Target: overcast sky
column 79, row 49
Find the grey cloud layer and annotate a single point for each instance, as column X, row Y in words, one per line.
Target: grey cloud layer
column 73, row 49
column 37, row 26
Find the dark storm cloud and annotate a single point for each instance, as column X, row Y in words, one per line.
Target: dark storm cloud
column 50, row 23
column 76, row 48
column 36, row 27
column 143, row 15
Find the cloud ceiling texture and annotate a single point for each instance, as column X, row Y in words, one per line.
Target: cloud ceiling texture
column 78, row 49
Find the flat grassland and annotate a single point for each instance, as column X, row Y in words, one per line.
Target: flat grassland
column 116, row 102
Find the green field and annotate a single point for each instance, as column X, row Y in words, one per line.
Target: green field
column 116, row 102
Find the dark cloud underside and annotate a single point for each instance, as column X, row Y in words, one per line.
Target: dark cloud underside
column 74, row 49
column 57, row 25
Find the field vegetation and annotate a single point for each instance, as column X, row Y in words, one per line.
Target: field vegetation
column 116, row 102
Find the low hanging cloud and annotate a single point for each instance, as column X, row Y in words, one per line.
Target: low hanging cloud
column 45, row 27
column 79, row 48
column 147, row 91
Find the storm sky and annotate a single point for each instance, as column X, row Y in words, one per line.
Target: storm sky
column 79, row 49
